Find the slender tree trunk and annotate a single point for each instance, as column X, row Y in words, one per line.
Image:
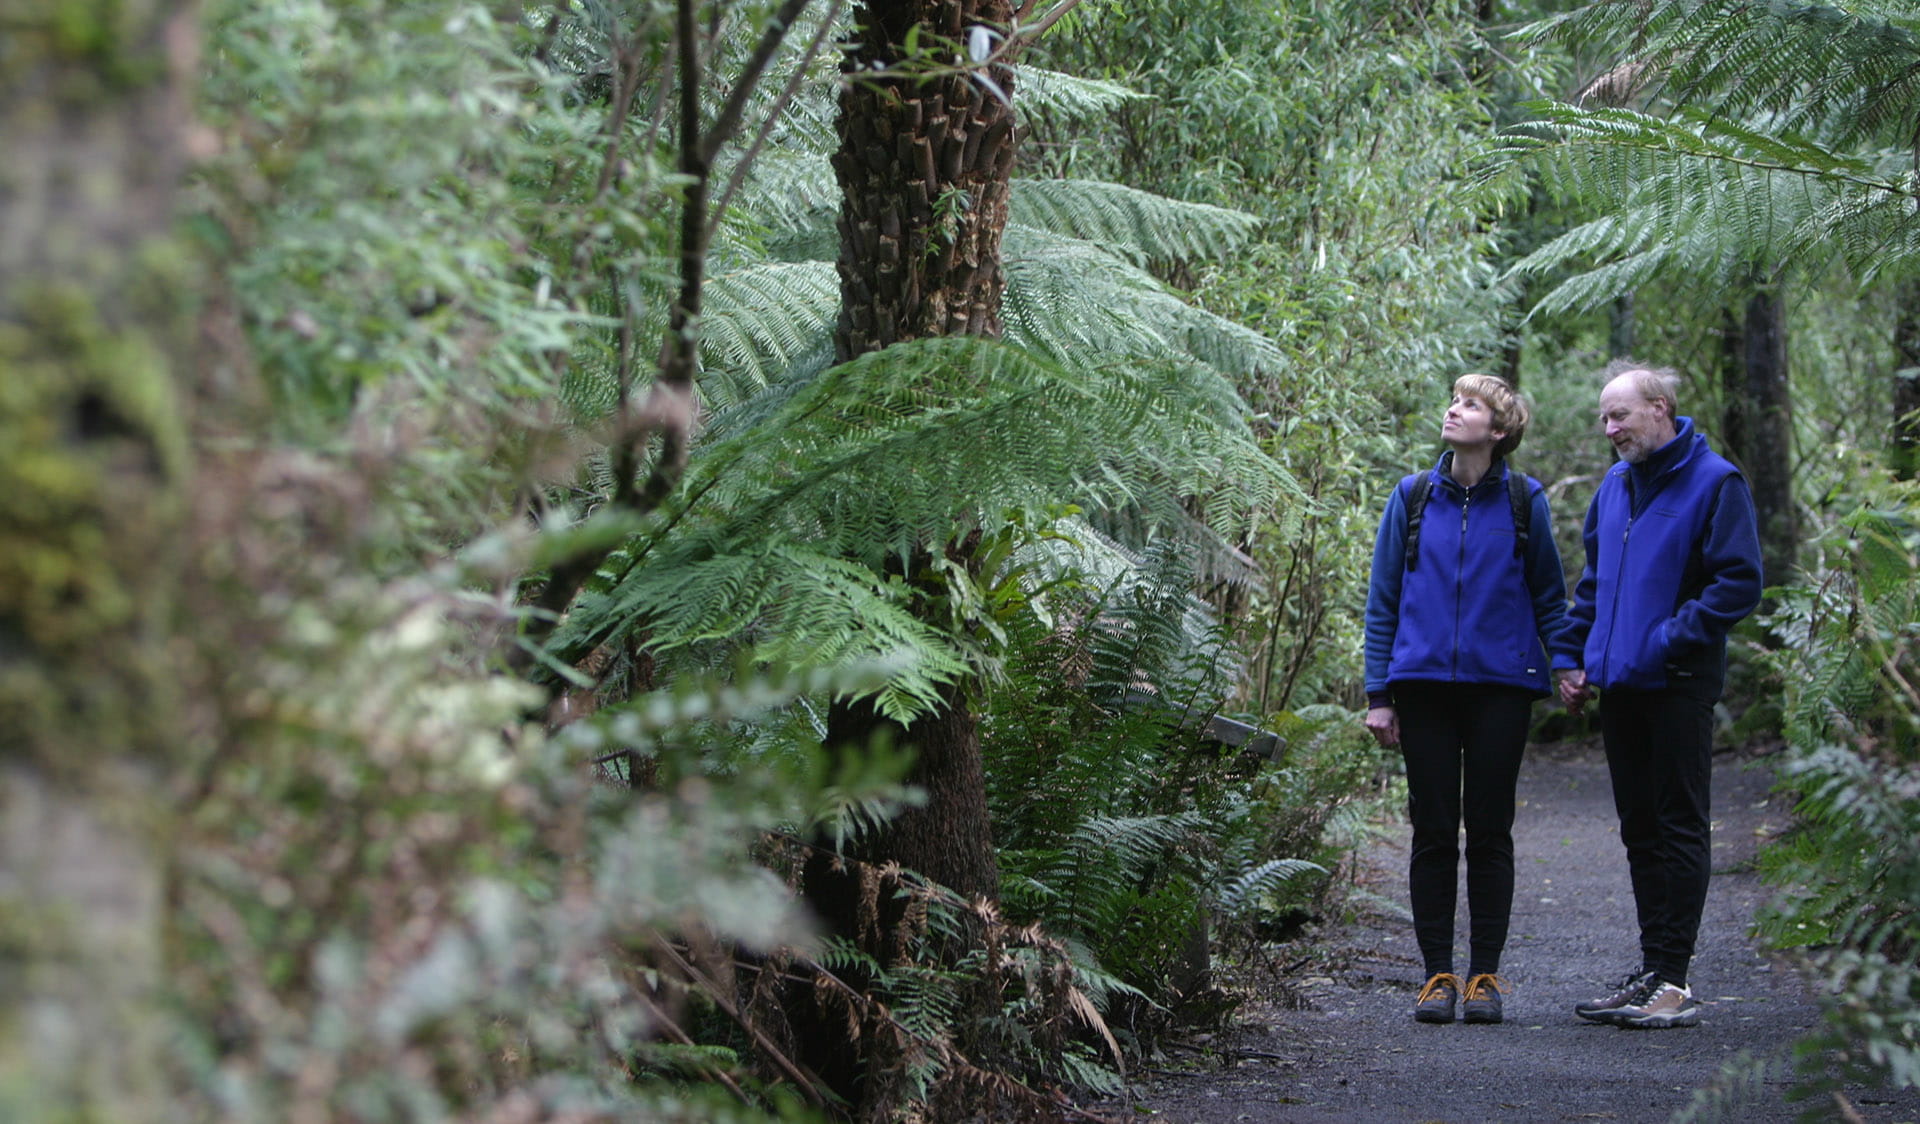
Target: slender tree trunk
column 1769, row 464
column 1736, row 426
column 1906, row 383
column 92, row 489
column 1620, row 326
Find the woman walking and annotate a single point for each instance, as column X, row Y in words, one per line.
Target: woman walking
column 1466, row 592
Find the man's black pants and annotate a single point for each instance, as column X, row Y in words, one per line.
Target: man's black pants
column 1660, row 756
column 1462, row 744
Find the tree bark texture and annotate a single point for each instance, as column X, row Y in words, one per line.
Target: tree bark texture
column 1736, row 427
column 1620, row 325
column 93, row 467
column 923, row 165
column 925, row 152
column 949, row 838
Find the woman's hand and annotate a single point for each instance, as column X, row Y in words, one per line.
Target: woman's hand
column 1574, row 691
column 1383, row 722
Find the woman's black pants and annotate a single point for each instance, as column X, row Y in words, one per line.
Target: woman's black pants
column 1462, row 744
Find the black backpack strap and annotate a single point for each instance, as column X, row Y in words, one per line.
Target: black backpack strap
column 1416, row 508
column 1522, row 505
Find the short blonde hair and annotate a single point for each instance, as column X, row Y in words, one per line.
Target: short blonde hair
column 1509, row 409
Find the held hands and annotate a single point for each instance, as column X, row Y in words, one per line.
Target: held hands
column 1574, row 691
column 1383, row 722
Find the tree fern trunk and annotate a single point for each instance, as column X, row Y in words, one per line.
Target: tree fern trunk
column 923, row 165
column 923, row 162
column 91, row 493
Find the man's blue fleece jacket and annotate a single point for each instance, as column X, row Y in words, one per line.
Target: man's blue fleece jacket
column 1673, row 563
column 1469, row 611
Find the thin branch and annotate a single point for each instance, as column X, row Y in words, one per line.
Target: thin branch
column 712, row 991
column 683, row 1038
column 772, row 118
column 1030, row 32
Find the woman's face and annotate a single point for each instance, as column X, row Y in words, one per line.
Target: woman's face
column 1469, row 424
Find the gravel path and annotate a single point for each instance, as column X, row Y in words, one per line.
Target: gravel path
column 1352, row 1052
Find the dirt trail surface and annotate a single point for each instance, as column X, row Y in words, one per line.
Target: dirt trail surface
column 1352, row 1053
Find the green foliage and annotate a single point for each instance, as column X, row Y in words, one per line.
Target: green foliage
column 1849, row 875
column 1700, row 195
column 1150, row 836
column 401, row 884
column 789, row 517
column 1368, row 277
column 1775, row 132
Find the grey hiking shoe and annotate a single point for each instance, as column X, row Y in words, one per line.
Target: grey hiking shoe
column 1658, row 1005
column 1604, row 1008
column 1481, row 1001
column 1435, row 1004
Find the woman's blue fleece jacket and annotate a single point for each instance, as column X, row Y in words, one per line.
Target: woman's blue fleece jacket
column 1673, row 562
column 1469, row 611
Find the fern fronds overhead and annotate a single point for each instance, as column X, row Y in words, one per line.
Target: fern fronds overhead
column 1697, row 193
column 921, row 434
column 1768, row 134
column 1851, row 73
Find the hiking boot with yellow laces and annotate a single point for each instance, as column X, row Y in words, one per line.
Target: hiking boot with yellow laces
column 1481, row 1000
column 1436, row 1001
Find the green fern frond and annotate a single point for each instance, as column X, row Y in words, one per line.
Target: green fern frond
column 1067, row 97
column 1244, row 891
column 760, row 322
column 1105, row 861
column 1849, row 73
column 1134, row 224
column 1067, row 295
column 791, row 187
column 787, row 522
column 1699, row 196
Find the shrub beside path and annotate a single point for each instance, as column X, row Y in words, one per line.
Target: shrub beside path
column 1352, row 1053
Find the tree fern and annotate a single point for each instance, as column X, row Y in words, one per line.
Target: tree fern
column 1849, row 875
column 1783, row 138
column 1759, row 58
column 897, row 448
column 1068, row 97
column 1129, row 222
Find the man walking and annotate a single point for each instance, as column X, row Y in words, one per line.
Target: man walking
column 1672, row 563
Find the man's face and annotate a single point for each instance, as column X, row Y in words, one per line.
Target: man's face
column 1634, row 425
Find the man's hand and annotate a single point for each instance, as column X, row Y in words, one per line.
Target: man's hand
column 1574, row 691
column 1383, row 722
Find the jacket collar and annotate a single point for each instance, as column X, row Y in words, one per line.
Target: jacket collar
column 1443, row 471
column 1664, row 460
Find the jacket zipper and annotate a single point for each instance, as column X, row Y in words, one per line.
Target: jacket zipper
column 1626, row 532
column 1459, row 579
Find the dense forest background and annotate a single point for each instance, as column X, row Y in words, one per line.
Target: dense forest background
column 722, row 560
